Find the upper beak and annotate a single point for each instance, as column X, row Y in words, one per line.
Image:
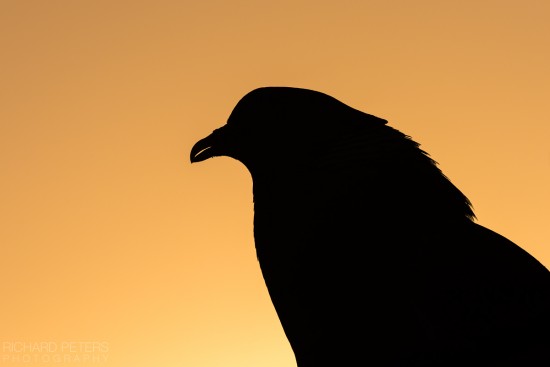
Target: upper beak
column 208, row 147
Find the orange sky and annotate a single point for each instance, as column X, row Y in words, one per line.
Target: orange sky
column 110, row 236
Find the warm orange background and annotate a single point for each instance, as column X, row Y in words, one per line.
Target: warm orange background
column 109, row 234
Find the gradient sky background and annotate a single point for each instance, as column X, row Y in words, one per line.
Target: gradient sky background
column 110, row 235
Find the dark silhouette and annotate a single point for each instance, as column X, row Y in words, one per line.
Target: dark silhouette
column 370, row 254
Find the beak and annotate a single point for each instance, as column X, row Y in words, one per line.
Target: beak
column 208, row 147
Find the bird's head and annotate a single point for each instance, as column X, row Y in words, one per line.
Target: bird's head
column 308, row 134
column 274, row 127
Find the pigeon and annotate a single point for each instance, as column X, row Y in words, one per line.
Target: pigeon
column 370, row 254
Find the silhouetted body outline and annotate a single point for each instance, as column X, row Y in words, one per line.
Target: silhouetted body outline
column 370, row 254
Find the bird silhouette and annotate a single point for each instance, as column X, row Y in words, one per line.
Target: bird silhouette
column 370, row 254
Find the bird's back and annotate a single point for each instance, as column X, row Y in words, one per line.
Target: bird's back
column 366, row 269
